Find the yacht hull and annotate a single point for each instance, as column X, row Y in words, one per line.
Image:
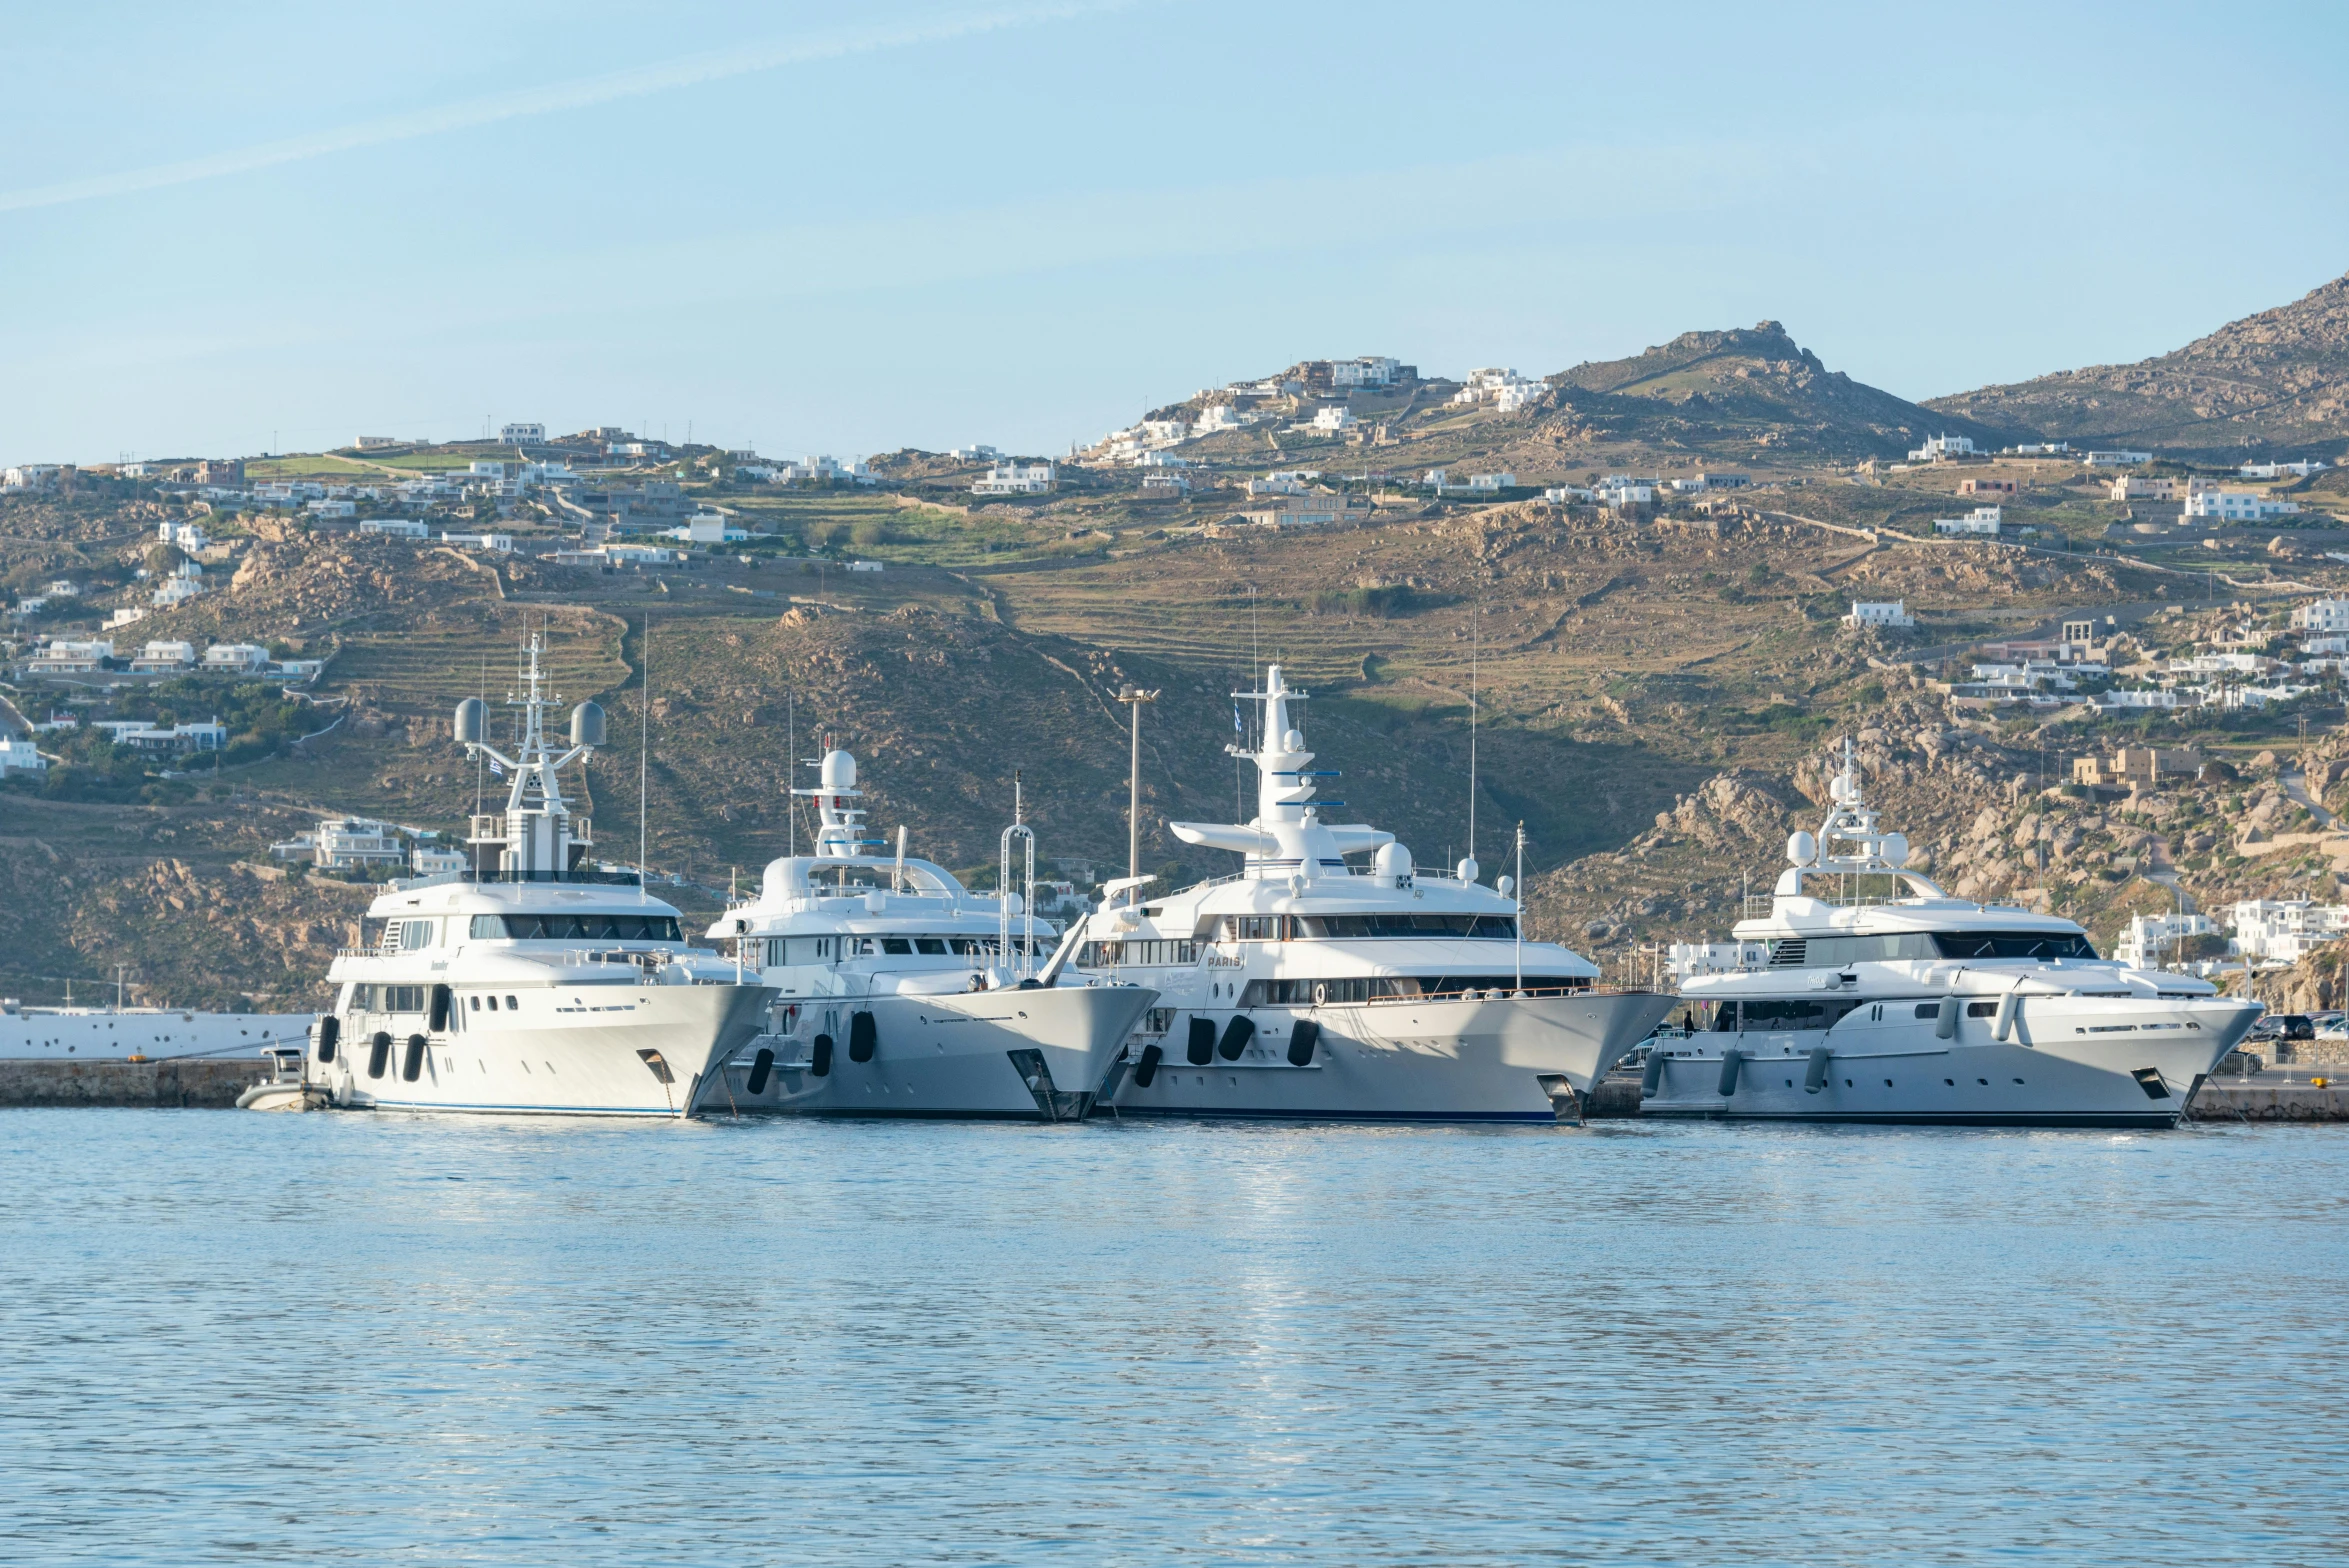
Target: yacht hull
column 1032, row 1055
column 2068, row 1062
column 84, row 1034
column 1504, row 1059
column 590, row 1060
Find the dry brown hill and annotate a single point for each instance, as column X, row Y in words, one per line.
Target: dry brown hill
column 2277, row 381
column 1755, row 387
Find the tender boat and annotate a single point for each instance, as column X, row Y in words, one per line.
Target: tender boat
column 1866, row 994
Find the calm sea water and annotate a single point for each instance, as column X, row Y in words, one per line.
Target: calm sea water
column 375, row 1339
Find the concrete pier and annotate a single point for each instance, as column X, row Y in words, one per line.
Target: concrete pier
column 211, row 1083
column 2274, row 1097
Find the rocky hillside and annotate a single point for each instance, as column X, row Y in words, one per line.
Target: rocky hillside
column 2277, row 381
column 1755, row 387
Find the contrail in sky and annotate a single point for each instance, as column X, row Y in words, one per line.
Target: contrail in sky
column 585, row 92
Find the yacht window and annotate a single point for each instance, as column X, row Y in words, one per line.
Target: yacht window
column 511, row 1004
column 1501, row 927
column 1823, row 952
column 579, row 928
column 896, row 944
column 2013, row 944
column 415, row 934
column 1980, row 1009
column 1156, row 951
column 930, row 944
column 1793, row 1013
column 403, row 998
column 1370, row 988
column 474, row 1002
column 1928, row 1009
column 493, row 1004
column 1251, row 928
column 362, row 999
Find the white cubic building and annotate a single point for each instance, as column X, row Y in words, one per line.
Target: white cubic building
column 1016, row 478
column 2275, row 932
column 1334, row 417
column 1895, row 615
column 2150, row 939
column 2237, row 506
column 18, row 754
column 517, row 435
column 1941, row 448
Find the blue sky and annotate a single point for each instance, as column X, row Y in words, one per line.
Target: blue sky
column 928, row 222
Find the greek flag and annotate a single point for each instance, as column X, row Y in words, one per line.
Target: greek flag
column 1237, row 727
column 497, row 769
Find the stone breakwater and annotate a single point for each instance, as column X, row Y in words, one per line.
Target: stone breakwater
column 2266, row 1098
column 210, row 1083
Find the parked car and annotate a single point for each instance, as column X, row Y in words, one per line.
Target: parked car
column 2284, row 1026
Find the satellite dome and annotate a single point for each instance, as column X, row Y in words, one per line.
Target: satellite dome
column 839, row 770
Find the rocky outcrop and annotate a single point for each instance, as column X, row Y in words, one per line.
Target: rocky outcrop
column 2278, row 379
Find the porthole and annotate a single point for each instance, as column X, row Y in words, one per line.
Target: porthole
column 1952, row 1082
column 2018, row 1080
column 1887, row 1083
column 1983, row 1081
column 511, row 1004
column 1847, row 1083
column 475, row 1003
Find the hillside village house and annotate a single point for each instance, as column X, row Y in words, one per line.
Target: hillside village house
column 2136, row 767
column 1988, row 520
column 1277, row 484
column 2238, row 506
column 2322, row 615
column 65, row 656
column 2115, row 459
column 1016, row 478
column 2303, row 469
column 1333, row 418
column 2275, row 932
column 395, row 527
column 516, row 435
column 2149, row 937
column 1941, row 449
column 142, row 735
column 1893, row 615
column 1367, row 370
column 376, row 443
column 236, row 658
column 2137, row 487
column 1490, row 482
column 343, row 844
column 1311, row 513
column 18, row 754
column 1986, row 487
column 165, row 658
column 1221, row 416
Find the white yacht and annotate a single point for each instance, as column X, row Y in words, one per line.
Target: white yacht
column 122, row 1033
column 901, row 993
column 531, row 983
column 1304, row 987
column 1867, row 994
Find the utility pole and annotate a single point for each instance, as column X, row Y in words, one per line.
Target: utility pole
column 1135, row 697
